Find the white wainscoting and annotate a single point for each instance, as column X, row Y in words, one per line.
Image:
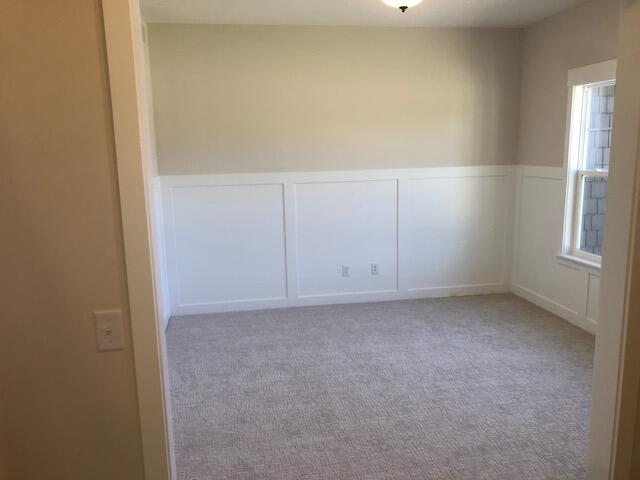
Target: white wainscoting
column 346, row 223
column 456, row 231
column 238, row 242
column 229, row 244
column 569, row 290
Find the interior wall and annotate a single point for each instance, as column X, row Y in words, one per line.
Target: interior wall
column 247, row 99
column 565, row 288
column 149, row 102
column 582, row 35
column 270, row 99
column 69, row 412
column 4, row 446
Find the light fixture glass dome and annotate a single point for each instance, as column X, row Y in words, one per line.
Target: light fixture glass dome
column 402, row 4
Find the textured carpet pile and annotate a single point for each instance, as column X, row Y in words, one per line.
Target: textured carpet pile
column 487, row 387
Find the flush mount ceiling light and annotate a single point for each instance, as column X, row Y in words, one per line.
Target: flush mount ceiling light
column 402, row 4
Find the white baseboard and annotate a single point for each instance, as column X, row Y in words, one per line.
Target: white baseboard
column 341, row 298
column 561, row 311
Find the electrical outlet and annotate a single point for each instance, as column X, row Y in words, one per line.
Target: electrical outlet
column 346, row 271
column 109, row 335
column 375, row 269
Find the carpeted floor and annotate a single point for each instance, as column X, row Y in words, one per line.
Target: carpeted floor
column 487, row 387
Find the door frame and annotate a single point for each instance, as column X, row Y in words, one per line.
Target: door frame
column 615, row 387
column 614, row 425
column 131, row 122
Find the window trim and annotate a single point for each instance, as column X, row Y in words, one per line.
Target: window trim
column 579, row 79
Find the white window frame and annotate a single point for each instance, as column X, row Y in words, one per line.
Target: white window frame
column 599, row 74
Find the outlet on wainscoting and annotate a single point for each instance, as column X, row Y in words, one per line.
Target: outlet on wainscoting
column 346, row 271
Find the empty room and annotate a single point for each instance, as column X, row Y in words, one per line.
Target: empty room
column 320, row 239
column 382, row 231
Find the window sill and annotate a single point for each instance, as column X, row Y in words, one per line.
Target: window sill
column 580, row 261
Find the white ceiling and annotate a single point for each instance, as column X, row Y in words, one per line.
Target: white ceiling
column 431, row 13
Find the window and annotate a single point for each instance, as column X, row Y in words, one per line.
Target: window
column 589, row 145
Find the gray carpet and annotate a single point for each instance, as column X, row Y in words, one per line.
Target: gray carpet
column 474, row 388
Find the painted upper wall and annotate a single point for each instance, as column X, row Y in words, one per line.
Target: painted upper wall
column 585, row 34
column 68, row 411
column 257, row 99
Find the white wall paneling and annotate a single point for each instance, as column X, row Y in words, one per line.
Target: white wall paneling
column 237, row 242
column 227, row 244
column 456, row 231
column 280, row 239
column 563, row 287
column 346, row 223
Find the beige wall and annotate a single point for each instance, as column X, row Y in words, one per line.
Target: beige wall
column 634, row 466
column 70, row 413
column 585, row 34
column 254, row 99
